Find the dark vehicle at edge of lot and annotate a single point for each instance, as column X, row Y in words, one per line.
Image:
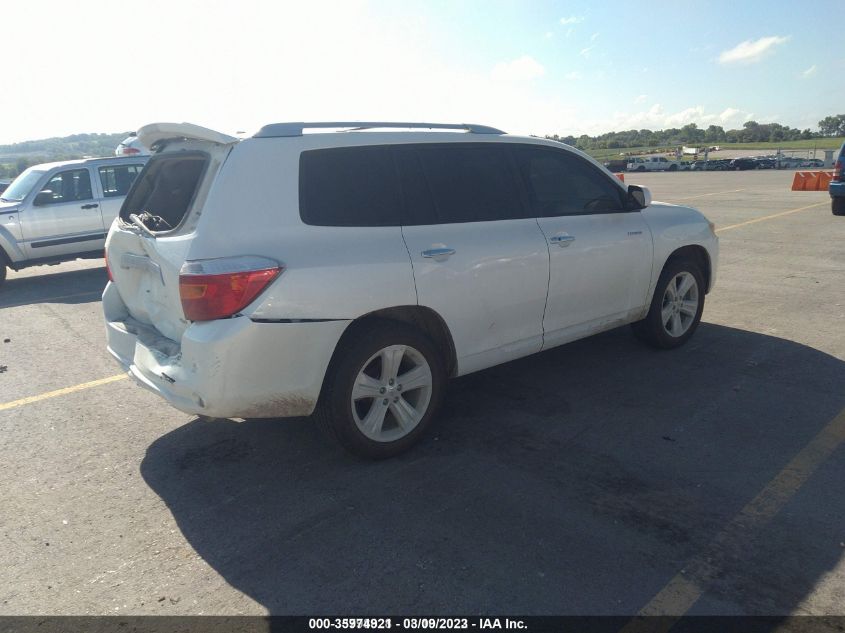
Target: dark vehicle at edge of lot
column 616, row 164
column 836, row 188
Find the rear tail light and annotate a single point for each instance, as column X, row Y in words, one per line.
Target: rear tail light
column 837, row 171
column 219, row 288
column 108, row 268
column 126, row 151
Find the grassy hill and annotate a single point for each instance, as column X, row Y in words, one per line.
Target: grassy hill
column 15, row 157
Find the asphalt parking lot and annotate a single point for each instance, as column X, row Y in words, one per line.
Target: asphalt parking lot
column 601, row 477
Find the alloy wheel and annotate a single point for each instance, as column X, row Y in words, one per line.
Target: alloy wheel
column 391, row 393
column 680, row 304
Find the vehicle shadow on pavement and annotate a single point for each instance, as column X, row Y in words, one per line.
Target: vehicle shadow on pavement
column 71, row 286
column 577, row 481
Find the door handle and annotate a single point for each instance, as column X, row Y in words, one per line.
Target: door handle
column 438, row 253
column 562, row 240
column 90, row 206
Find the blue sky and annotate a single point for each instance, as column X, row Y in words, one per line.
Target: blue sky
column 527, row 67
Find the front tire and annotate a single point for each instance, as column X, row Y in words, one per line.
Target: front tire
column 382, row 391
column 676, row 306
column 837, row 206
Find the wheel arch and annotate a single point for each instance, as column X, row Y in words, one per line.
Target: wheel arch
column 419, row 317
column 696, row 253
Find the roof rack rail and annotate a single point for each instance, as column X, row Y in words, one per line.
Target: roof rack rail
column 296, row 129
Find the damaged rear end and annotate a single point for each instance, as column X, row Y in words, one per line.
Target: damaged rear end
column 176, row 322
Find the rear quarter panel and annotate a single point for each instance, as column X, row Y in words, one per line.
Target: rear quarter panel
column 330, row 272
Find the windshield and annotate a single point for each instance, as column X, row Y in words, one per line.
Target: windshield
column 22, row 185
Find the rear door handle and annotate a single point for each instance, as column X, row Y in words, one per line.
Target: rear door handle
column 438, row 253
column 90, row 206
column 562, row 240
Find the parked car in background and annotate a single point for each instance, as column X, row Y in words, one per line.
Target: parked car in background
column 836, row 188
column 719, row 164
column 131, row 146
column 738, row 164
column 765, row 163
column 367, row 267
column 617, row 164
column 652, row 163
column 60, row 211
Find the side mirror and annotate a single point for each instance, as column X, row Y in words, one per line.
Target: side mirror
column 638, row 197
column 43, row 197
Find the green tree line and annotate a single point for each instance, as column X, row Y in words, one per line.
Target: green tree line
column 751, row 132
column 16, row 157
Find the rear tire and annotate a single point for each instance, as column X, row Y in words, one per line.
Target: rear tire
column 382, row 390
column 676, row 306
column 837, row 206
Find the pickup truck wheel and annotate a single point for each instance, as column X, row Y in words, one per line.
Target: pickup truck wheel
column 641, row 168
column 837, row 206
column 676, row 307
column 382, row 391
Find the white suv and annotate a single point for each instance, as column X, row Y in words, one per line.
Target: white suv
column 349, row 274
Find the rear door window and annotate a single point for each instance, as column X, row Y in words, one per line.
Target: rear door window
column 458, row 182
column 117, row 179
column 350, row 186
column 563, row 184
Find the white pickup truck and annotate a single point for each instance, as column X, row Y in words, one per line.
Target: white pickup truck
column 652, row 163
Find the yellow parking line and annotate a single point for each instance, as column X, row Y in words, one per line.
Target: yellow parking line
column 715, row 193
column 60, row 392
column 680, row 593
column 769, row 217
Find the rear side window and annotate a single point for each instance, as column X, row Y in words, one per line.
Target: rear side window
column 562, row 184
column 351, row 186
column 166, row 189
column 456, row 183
column 117, row 179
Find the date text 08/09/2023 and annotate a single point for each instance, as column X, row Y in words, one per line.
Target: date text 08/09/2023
column 416, row 623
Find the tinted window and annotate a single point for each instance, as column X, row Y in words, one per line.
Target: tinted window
column 351, row 186
column 563, row 184
column 459, row 183
column 69, row 186
column 117, row 179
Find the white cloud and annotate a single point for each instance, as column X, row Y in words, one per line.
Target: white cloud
column 549, row 35
column 523, row 68
column 656, row 118
column 573, row 76
column 593, row 37
column 585, row 52
column 749, row 51
column 572, row 19
column 640, row 99
column 810, row 71
column 729, row 114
